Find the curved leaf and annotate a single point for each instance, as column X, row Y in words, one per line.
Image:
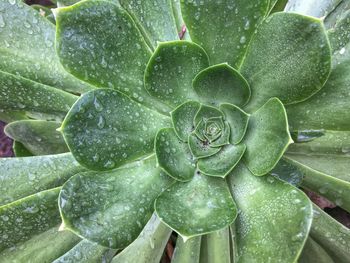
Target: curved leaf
column 169, row 73
column 331, row 235
column 328, row 154
column 20, row 94
column 22, row 177
column 313, row 252
column 222, row 163
column 125, row 201
column 149, row 246
column 200, row 149
column 39, row 137
column 238, row 121
column 24, row 218
column 267, row 133
column 27, row 48
column 86, row 252
column 187, row 252
column 201, row 206
column 44, row 247
column 275, row 217
column 221, row 83
column 332, row 188
column 106, row 129
column 174, row 156
column 317, row 8
column 217, row 247
column 223, row 28
column 288, row 58
column 206, row 112
column 154, row 18
column 113, row 58
column 183, row 119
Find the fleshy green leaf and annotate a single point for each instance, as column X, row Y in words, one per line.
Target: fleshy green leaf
column 222, row 163
column 198, row 207
column 328, row 109
column 114, row 58
column 223, row 28
column 21, row 94
column 288, row 172
column 44, row 247
column 39, row 137
column 149, row 246
column 275, row 217
column 313, row 252
column 86, row 252
column 200, row 149
column 183, row 119
column 332, row 188
column 106, row 129
column 187, row 252
column 125, row 201
column 154, row 18
column 10, row 116
column 27, row 48
column 267, row 137
column 24, row 218
column 221, row 83
column 20, row 151
column 317, row 8
column 238, row 121
column 288, row 58
column 217, row 247
column 174, row 156
column 169, row 73
column 331, row 235
column 22, row 177
column 328, row 154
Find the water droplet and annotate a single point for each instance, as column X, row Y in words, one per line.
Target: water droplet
column 2, row 22
column 101, row 122
column 98, row 105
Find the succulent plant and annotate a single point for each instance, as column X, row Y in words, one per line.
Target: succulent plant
column 139, row 132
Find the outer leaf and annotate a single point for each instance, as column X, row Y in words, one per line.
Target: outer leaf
column 149, row 246
column 327, row 154
column 86, row 252
column 288, row 172
column 223, row 28
column 106, row 129
column 332, row 188
column 200, row 206
column 187, row 252
column 27, row 48
column 238, row 121
column 10, row 116
column 222, row 163
column 113, row 58
column 20, row 151
column 275, row 217
column 169, row 73
column 21, row 94
column 221, row 83
column 183, row 119
column 267, row 133
column 21, row 177
column 24, row 218
column 218, row 247
column 45, row 247
column 288, row 58
column 174, row 156
column 313, row 252
column 39, row 137
column 331, row 235
column 317, row 8
column 329, row 108
column 154, row 18
column 125, row 201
